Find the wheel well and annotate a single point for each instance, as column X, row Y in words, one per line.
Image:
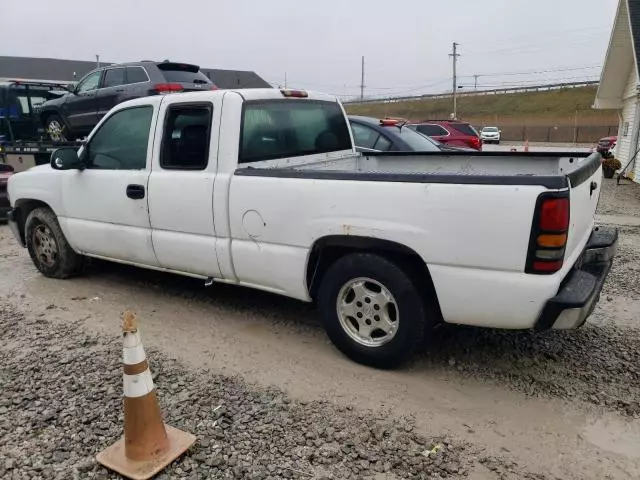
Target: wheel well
column 22, row 210
column 327, row 250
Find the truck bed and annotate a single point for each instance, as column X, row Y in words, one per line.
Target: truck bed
column 551, row 170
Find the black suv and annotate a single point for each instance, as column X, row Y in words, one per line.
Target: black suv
column 74, row 115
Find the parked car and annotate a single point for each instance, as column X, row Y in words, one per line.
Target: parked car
column 490, row 135
column 452, row 133
column 5, row 172
column 606, row 146
column 388, row 135
column 74, row 115
column 388, row 245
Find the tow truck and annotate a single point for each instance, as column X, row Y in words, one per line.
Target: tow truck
column 23, row 140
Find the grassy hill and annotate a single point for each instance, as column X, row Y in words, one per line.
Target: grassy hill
column 545, row 108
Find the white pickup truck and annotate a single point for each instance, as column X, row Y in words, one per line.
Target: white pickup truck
column 263, row 188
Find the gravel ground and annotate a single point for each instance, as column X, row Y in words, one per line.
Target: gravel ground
column 61, row 404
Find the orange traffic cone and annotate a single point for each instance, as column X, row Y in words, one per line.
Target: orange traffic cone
column 148, row 444
column 526, row 145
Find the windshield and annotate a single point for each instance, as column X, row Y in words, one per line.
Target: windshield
column 417, row 141
column 490, row 129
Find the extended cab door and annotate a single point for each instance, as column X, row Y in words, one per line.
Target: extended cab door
column 105, row 204
column 181, row 184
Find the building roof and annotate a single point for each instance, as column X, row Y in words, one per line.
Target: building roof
column 71, row 70
column 622, row 55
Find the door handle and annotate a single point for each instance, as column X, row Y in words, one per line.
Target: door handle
column 135, row 191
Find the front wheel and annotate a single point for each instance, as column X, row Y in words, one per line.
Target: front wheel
column 48, row 247
column 56, row 129
column 372, row 310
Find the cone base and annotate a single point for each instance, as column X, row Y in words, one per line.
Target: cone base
column 114, row 459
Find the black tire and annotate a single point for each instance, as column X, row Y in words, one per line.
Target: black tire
column 56, row 129
column 61, row 261
column 414, row 311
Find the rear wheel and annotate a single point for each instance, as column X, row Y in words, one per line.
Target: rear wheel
column 48, row 247
column 56, row 129
column 373, row 310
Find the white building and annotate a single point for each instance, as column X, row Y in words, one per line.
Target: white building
column 619, row 83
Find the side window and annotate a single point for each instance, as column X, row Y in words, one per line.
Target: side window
column 292, row 128
column 383, row 144
column 431, row 130
column 113, row 77
column 89, row 83
column 121, row 142
column 364, row 136
column 185, row 144
column 136, row 75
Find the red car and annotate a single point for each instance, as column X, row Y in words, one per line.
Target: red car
column 5, row 172
column 606, row 145
column 453, row 133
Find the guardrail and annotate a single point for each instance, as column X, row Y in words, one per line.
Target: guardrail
column 495, row 91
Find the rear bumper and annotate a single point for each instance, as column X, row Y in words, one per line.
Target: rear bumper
column 13, row 224
column 581, row 288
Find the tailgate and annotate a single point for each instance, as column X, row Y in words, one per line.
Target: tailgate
column 585, row 185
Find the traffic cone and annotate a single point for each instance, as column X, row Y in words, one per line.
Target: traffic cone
column 526, row 145
column 148, row 444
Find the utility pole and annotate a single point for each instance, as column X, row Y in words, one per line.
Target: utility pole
column 285, row 79
column 362, row 82
column 455, row 56
column 97, row 61
column 475, row 82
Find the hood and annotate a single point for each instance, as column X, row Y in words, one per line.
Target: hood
column 55, row 102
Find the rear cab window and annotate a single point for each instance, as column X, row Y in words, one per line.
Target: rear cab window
column 274, row 129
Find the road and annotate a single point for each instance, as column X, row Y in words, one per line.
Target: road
column 551, row 405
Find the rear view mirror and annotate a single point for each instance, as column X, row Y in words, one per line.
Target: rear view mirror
column 66, row 158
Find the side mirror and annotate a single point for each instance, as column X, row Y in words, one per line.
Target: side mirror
column 66, row 158
column 71, row 88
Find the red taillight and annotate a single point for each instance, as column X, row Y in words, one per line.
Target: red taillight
column 213, row 87
column 476, row 143
column 554, row 215
column 168, row 87
column 547, row 267
column 549, row 234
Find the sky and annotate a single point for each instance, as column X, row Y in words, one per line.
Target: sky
column 318, row 45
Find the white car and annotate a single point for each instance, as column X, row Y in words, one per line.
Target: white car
column 263, row 188
column 490, row 135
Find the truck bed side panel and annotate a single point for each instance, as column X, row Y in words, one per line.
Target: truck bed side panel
column 447, row 225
